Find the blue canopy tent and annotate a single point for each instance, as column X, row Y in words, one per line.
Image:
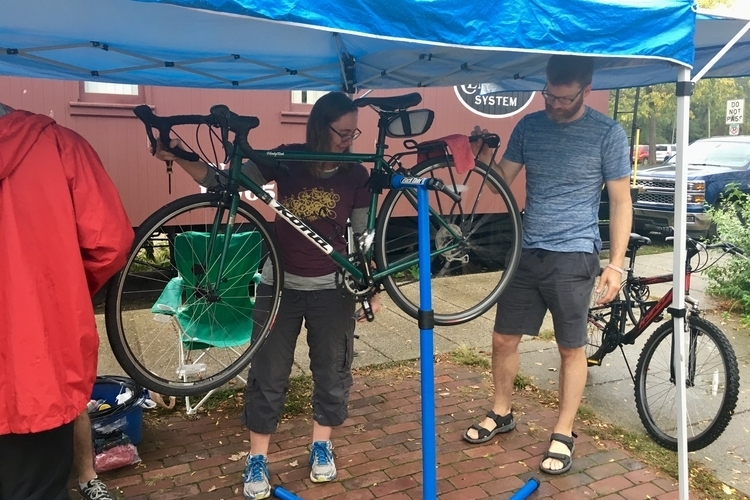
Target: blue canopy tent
column 329, row 44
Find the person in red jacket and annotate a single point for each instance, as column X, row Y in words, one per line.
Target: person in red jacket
column 64, row 233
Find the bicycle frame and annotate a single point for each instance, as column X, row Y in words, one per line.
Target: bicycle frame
column 239, row 180
column 653, row 308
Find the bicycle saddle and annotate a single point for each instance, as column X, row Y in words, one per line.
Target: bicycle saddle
column 393, row 103
column 637, row 239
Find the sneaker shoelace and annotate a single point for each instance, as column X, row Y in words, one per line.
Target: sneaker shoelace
column 256, row 472
column 95, row 490
column 321, row 454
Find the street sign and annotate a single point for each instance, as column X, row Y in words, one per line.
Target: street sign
column 735, row 111
column 734, row 130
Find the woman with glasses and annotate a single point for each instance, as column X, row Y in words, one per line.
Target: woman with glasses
column 324, row 195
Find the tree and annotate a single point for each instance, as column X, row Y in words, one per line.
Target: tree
column 657, row 106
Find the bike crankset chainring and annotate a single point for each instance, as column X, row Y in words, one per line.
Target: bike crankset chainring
column 443, row 238
column 349, row 286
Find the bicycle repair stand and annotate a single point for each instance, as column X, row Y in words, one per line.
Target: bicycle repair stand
column 426, row 322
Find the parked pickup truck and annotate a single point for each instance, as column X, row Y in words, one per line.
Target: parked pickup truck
column 713, row 164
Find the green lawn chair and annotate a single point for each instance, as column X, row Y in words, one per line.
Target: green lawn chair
column 227, row 322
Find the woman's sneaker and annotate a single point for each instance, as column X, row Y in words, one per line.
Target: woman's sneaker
column 95, row 490
column 321, row 461
column 255, row 478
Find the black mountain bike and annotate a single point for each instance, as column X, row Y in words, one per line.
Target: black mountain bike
column 713, row 379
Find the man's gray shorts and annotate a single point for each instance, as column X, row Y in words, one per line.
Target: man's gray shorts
column 559, row 281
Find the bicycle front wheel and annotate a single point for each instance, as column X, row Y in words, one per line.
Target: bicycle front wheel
column 713, row 383
column 183, row 316
column 475, row 244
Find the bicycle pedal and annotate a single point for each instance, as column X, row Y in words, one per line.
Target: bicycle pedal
column 593, row 362
column 659, row 318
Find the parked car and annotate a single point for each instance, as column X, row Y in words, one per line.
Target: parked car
column 642, row 153
column 713, row 164
column 664, row 152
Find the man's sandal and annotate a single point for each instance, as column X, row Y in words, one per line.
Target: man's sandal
column 567, row 460
column 503, row 424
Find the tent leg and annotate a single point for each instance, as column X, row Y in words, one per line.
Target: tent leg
column 684, row 90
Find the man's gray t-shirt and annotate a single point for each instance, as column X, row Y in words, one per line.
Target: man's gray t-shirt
column 566, row 167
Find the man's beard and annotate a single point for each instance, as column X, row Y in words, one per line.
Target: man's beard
column 562, row 115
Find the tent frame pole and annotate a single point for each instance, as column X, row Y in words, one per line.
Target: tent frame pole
column 684, row 91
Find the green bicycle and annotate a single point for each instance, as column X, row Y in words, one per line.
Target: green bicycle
column 183, row 317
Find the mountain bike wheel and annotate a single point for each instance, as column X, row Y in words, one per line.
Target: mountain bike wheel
column 173, row 325
column 712, row 385
column 471, row 267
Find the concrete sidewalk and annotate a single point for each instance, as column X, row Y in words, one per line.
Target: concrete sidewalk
column 394, row 337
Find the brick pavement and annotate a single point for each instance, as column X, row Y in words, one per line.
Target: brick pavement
column 378, row 451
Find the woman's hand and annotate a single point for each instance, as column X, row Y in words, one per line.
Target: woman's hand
column 375, row 306
column 164, row 155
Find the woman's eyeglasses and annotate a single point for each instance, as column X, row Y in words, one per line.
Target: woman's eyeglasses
column 565, row 101
column 347, row 137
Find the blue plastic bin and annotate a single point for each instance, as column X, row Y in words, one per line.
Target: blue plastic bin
column 108, row 388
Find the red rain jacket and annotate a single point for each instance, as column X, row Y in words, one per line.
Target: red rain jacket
column 63, row 234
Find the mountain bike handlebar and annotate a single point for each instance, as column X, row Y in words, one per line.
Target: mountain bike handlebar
column 698, row 245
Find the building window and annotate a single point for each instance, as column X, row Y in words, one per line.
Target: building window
column 110, row 88
column 113, row 93
column 307, row 96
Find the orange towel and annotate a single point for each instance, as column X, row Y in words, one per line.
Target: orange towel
column 459, row 148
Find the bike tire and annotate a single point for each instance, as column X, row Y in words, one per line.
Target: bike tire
column 712, row 396
column 181, row 340
column 488, row 223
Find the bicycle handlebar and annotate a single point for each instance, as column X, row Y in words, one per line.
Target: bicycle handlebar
column 491, row 140
column 669, row 232
column 220, row 116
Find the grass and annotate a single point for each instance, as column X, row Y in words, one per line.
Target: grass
column 657, row 246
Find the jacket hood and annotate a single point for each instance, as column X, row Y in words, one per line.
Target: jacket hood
column 19, row 131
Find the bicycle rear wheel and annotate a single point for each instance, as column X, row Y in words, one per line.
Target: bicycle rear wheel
column 176, row 327
column 475, row 244
column 712, row 384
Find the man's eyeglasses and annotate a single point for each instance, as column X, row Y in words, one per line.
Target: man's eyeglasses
column 565, row 101
column 347, row 137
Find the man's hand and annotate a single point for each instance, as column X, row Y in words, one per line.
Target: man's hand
column 485, row 154
column 609, row 285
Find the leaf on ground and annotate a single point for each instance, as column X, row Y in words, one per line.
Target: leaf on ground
column 238, row 456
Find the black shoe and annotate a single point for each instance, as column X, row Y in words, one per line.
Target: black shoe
column 95, row 490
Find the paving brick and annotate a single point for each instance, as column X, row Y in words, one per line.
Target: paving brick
column 570, row 481
column 610, row 485
column 175, row 470
column 396, row 485
column 642, row 491
column 499, row 486
column 606, row 470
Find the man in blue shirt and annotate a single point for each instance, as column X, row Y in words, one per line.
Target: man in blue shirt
column 570, row 151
